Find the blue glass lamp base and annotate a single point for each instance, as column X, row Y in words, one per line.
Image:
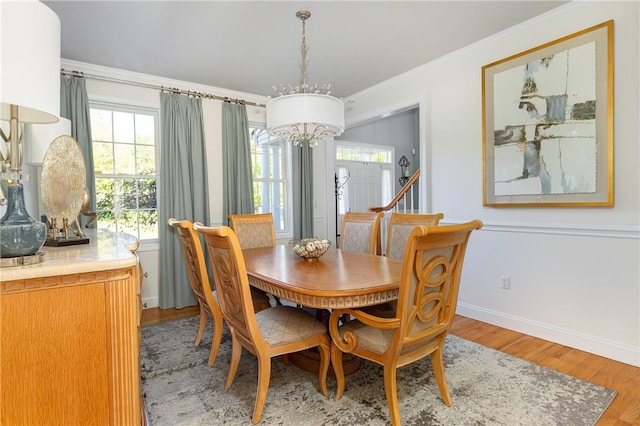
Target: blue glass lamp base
column 20, row 234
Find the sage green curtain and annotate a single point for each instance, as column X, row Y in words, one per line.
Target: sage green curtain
column 302, row 191
column 74, row 105
column 237, row 192
column 183, row 194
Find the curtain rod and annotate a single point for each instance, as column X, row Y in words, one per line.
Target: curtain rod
column 161, row 88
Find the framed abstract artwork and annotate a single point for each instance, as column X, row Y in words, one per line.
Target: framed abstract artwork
column 548, row 123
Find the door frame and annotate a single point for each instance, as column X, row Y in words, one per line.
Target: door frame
column 391, row 149
column 422, row 103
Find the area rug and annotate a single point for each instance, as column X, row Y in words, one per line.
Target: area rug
column 487, row 387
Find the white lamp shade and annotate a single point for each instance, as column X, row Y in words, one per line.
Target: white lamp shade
column 285, row 112
column 29, row 61
column 38, row 137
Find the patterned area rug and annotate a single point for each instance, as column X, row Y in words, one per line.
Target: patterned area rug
column 487, row 387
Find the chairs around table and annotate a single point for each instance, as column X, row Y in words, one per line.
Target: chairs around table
column 271, row 332
column 199, row 281
column 361, row 232
column 427, row 299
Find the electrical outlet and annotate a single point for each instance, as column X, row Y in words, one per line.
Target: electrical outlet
column 506, row 282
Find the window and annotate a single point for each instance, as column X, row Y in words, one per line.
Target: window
column 124, row 156
column 271, row 161
column 369, row 154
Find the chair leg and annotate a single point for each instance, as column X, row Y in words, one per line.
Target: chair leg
column 438, row 371
column 203, row 324
column 323, row 347
column 264, row 375
column 391, row 392
column 336, row 362
column 236, row 352
column 218, row 325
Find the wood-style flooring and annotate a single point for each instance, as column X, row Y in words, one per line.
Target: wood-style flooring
column 623, row 378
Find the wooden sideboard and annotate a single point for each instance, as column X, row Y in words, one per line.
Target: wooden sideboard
column 69, row 336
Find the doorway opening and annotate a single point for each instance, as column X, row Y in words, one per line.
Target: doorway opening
column 364, row 177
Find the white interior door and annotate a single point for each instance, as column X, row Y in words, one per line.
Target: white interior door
column 362, row 187
column 365, row 187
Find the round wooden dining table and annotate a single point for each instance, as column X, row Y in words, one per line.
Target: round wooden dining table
column 338, row 279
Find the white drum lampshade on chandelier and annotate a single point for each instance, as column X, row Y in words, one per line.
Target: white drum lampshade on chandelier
column 305, row 114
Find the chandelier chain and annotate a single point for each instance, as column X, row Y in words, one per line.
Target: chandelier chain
column 304, row 50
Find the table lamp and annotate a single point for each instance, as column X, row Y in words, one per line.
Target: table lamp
column 29, row 93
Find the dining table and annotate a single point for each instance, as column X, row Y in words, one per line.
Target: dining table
column 337, row 279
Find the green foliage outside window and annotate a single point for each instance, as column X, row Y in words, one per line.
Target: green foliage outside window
column 125, row 167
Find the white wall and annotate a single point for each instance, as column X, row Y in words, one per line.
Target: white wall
column 574, row 271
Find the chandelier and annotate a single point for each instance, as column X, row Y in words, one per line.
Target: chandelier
column 303, row 113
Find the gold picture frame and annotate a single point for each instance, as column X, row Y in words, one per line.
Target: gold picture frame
column 547, row 117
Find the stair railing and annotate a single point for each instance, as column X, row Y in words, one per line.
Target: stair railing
column 401, row 195
column 405, row 192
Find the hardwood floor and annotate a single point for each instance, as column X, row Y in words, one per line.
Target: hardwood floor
column 156, row 315
column 623, row 378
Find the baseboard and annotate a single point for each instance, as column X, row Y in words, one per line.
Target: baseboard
column 623, row 353
column 151, row 302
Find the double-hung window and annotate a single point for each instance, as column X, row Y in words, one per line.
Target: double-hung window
column 124, row 156
column 271, row 161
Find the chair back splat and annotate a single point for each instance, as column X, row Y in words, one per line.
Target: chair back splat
column 400, row 225
column 427, row 299
column 275, row 331
column 253, row 231
column 361, row 232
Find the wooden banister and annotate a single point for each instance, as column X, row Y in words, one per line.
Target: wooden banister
column 405, row 188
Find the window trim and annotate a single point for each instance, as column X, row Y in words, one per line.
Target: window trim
column 135, row 108
column 287, row 233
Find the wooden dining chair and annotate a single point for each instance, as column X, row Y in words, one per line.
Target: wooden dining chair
column 361, row 232
column 200, row 284
column 199, row 280
column 271, row 332
column 254, row 231
column 400, row 226
column 427, row 299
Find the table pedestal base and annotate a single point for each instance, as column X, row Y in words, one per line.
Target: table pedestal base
column 309, row 360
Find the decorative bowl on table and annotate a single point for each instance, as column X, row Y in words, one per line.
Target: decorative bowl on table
column 310, row 249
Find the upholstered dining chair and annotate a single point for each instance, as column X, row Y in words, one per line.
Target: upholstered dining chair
column 253, row 231
column 199, row 280
column 361, row 232
column 271, row 332
column 400, row 226
column 427, row 298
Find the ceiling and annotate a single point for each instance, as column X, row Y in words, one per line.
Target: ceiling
column 249, row 46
